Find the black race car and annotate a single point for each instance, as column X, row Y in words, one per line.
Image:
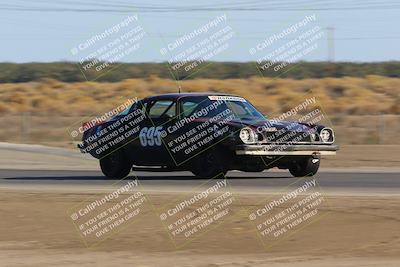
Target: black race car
column 207, row 134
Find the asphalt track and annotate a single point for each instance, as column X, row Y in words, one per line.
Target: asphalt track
column 339, row 182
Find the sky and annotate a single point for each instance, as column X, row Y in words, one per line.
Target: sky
column 47, row 30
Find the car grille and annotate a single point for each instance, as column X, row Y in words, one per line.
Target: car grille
column 286, row 137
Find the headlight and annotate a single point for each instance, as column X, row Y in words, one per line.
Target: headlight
column 247, row 135
column 326, row 135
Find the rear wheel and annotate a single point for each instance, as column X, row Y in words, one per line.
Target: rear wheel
column 115, row 166
column 209, row 164
column 305, row 167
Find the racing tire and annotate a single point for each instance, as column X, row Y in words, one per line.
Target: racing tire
column 209, row 164
column 115, row 166
column 306, row 167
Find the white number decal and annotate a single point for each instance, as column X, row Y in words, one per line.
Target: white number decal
column 150, row 136
column 142, row 136
column 157, row 134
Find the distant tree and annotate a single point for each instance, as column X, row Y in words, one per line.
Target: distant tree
column 70, row 71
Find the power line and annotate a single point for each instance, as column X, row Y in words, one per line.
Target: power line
column 162, row 9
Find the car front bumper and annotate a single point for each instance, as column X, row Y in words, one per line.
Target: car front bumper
column 287, row 150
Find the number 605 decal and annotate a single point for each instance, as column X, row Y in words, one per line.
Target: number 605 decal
column 150, row 136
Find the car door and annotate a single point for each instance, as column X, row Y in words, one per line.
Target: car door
column 160, row 113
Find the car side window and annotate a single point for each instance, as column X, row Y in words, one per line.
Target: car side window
column 188, row 107
column 162, row 109
column 142, row 106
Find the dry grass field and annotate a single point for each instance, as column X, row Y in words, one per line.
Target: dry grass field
column 356, row 96
column 362, row 110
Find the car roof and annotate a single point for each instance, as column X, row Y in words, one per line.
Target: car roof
column 176, row 96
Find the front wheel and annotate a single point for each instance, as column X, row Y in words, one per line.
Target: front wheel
column 209, row 164
column 305, row 167
column 115, row 166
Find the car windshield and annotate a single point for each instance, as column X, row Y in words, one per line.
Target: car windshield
column 245, row 110
column 239, row 106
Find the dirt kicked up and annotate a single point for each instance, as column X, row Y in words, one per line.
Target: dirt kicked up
column 353, row 231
